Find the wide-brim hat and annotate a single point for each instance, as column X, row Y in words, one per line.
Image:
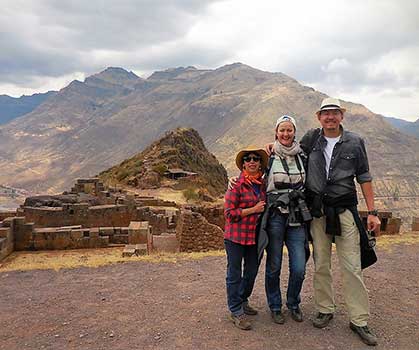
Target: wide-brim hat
column 252, row 149
column 330, row 103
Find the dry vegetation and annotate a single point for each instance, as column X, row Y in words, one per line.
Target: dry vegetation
column 64, row 259
column 57, row 260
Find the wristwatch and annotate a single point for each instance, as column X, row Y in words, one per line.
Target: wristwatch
column 373, row 212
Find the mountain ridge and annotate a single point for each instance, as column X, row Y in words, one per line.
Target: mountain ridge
column 408, row 127
column 15, row 107
column 87, row 128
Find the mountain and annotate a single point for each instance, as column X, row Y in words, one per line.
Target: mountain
column 411, row 128
column 92, row 125
column 183, row 149
column 12, row 107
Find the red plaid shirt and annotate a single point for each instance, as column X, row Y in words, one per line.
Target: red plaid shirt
column 240, row 229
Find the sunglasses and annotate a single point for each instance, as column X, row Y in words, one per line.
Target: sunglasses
column 250, row 158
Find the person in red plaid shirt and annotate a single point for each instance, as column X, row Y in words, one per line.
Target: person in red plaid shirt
column 242, row 207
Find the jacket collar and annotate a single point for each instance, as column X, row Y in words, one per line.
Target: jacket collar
column 343, row 134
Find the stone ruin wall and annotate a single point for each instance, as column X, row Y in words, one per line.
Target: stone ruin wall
column 118, row 215
column 6, row 242
column 17, row 234
column 213, row 214
column 196, row 234
column 197, row 228
column 7, row 214
column 79, row 214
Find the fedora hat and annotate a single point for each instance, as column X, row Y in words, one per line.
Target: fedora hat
column 330, row 103
column 252, row 149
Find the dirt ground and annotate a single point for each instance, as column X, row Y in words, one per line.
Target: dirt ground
column 182, row 305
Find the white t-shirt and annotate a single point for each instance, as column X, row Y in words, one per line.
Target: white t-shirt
column 328, row 151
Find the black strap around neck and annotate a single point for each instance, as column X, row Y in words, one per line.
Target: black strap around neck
column 287, row 168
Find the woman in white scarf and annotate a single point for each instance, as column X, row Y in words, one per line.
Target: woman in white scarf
column 286, row 175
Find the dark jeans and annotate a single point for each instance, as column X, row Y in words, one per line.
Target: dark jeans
column 294, row 238
column 240, row 283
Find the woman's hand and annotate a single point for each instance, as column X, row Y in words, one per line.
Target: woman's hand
column 232, row 182
column 259, row 207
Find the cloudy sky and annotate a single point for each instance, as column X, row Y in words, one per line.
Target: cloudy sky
column 365, row 51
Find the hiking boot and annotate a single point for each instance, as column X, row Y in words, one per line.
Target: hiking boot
column 241, row 322
column 278, row 317
column 365, row 334
column 248, row 310
column 322, row 320
column 296, row 314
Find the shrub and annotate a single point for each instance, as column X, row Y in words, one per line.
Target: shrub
column 122, row 174
column 159, row 168
column 190, row 194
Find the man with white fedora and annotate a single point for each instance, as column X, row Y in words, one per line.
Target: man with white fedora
column 336, row 157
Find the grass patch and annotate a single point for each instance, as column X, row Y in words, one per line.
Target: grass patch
column 387, row 241
column 68, row 259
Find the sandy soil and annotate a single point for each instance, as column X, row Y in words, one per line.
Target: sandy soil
column 145, row 305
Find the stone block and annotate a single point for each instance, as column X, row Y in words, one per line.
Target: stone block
column 141, row 249
column 41, row 244
column 106, row 231
column 119, row 239
column 415, row 224
column 4, row 232
column 103, row 241
column 84, row 242
column 62, row 240
column 69, row 228
column 94, row 232
column 76, row 234
column 22, row 233
column 393, row 226
column 135, row 249
column 165, row 243
column 7, row 222
column 129, row 250
column 138, row 232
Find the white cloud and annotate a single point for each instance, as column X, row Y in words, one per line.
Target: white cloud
column 359, row 48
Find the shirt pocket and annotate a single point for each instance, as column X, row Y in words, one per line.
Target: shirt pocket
column 347, row 161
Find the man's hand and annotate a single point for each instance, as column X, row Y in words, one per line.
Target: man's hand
column 268, row 148
column 373, row 223
column 259, row 207
column 232, row 182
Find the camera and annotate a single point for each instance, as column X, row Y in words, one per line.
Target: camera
column 294, row 202
column 371, row 239
column 297, row 197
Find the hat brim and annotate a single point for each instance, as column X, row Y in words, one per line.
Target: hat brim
column 343, row 110
column 258, row 151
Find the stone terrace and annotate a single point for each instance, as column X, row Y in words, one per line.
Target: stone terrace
column 120, row 219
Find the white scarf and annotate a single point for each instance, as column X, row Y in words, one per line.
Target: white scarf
column 284, row 151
